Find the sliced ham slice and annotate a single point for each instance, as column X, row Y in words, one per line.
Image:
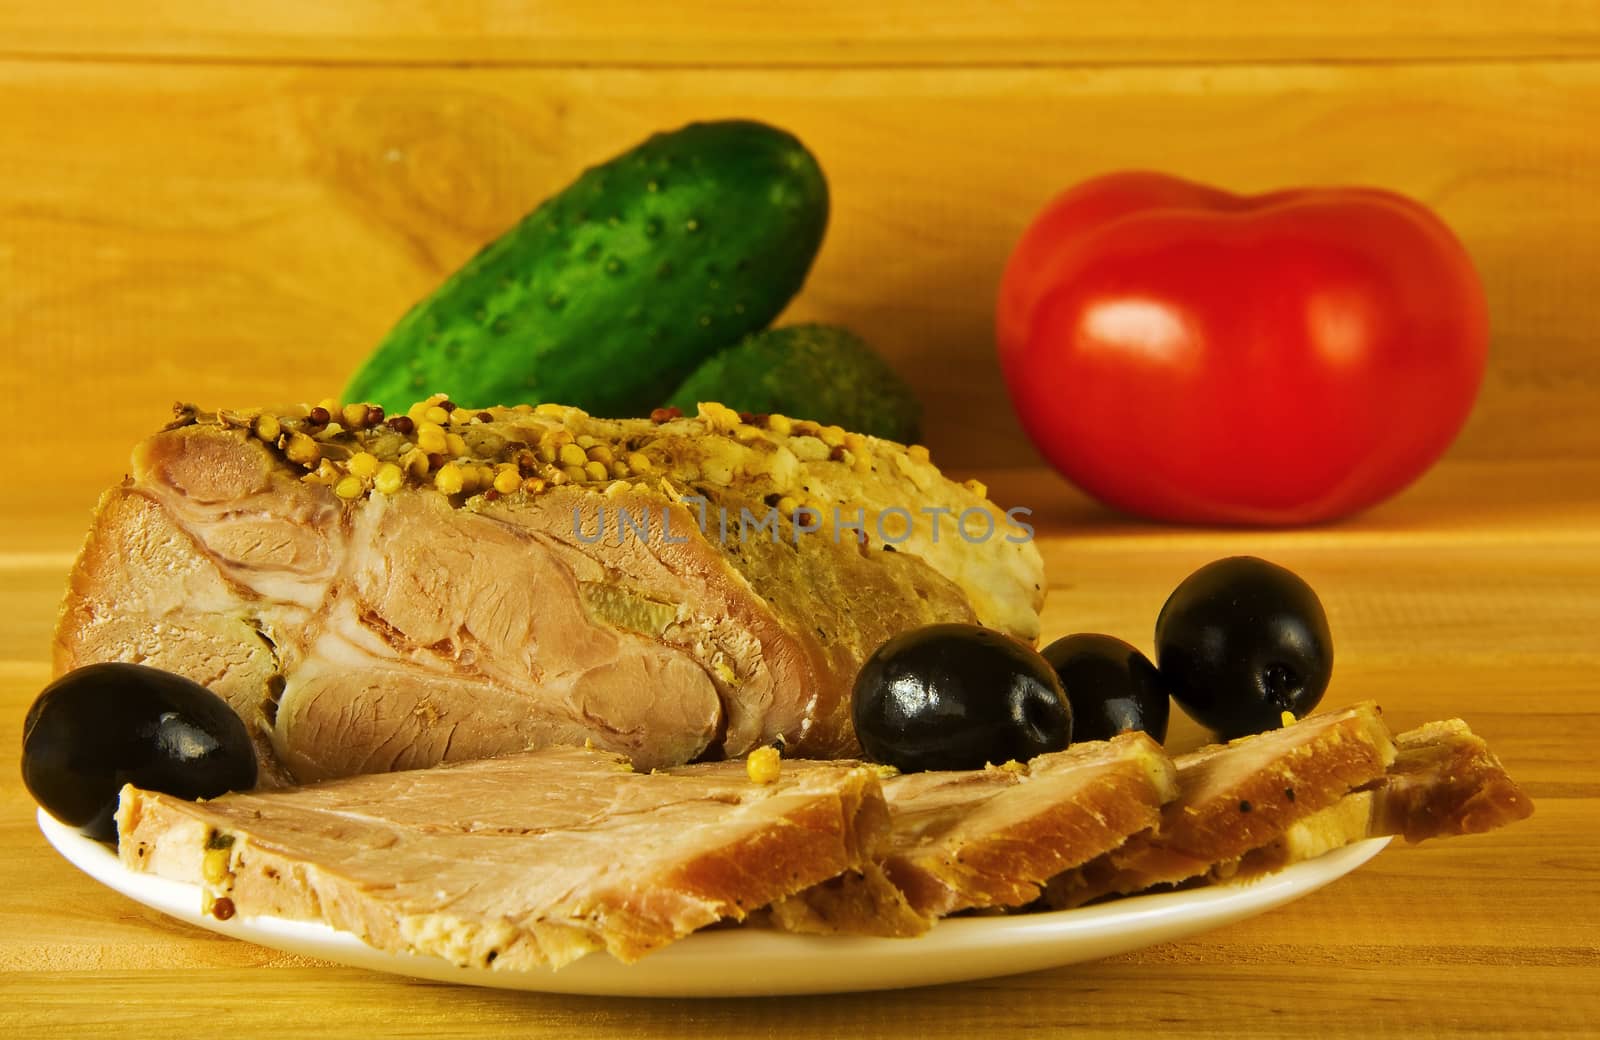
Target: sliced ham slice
column 1444, row 782
column 534, row 859
column 1237, row 797
column 992, row 837
column 530, row 860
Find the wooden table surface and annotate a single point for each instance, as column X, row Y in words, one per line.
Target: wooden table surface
column 1475, row 594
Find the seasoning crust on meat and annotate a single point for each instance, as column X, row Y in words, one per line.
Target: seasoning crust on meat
column 374, row 593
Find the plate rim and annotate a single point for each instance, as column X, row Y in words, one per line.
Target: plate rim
column 1026, row 942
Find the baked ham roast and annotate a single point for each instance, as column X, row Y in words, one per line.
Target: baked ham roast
column 375, row 594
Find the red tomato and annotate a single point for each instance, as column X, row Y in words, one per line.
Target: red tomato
column 1187, row 354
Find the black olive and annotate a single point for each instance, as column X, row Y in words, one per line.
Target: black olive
column 99, row 727
column 1111, row 686
column 1240, row 642
column 958, row 697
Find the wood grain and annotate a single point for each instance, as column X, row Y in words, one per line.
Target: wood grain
column 235, row 235
column 1388, row 997
column 832, row 32
column 1453, row 601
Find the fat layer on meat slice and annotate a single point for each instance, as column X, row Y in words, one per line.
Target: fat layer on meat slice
column 1236, row 797
column 626, row 601
column 530, row 860
column 1444, row 782
column 990, row 838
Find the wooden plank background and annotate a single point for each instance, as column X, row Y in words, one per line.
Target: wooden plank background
column 231, row 204
column 237, row 233
column 829, row 32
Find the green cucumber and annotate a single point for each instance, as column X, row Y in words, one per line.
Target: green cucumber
column 611, row 292
column 818, row 372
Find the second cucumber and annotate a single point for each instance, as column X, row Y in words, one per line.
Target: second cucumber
column 612, row 291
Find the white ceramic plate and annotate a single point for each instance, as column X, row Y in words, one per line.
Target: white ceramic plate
column 756, row 962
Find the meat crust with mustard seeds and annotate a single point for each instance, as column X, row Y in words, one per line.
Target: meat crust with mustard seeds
column 374, row 592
